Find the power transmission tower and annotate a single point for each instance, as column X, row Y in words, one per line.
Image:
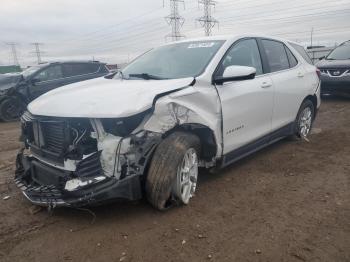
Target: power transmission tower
column 14, row 52
column 207, row 21
column 37, row 51
column 175, row 20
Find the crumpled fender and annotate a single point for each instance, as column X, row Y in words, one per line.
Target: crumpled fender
column 192, row 105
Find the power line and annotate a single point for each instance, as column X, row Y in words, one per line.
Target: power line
column 37, row 51
column 14, row 52
column 207, row 21
column 175, row 20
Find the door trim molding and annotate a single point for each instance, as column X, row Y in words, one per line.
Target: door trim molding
column 257, row 144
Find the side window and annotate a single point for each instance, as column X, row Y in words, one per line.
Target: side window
column 103, row 69
column 302, row 52
column 244, row 53
column 51, row 73
column 276, row 55
column 291, row 58
column 76, row 69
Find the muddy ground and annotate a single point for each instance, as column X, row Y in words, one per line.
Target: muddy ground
column 289, row 202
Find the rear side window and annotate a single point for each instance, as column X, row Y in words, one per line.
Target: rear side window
column 276, row 55
column 302, row 52
column 292, row 60
column 103, row 69
column 76, row 69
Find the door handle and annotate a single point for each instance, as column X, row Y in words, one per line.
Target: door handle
column 266, row 85
column 300, row 74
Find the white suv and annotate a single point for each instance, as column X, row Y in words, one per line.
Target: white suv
column 197, row 103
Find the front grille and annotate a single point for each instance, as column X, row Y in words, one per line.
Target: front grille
column 54, row 135
column 335, row 71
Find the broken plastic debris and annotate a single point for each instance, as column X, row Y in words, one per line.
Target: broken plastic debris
column 183, row 242
column 6, row 197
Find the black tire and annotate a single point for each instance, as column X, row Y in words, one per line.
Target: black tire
column 163, row 168
column 297, row 129
column 11, row 109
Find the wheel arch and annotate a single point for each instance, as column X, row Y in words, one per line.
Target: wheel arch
column 205, row 135
column 313, row 99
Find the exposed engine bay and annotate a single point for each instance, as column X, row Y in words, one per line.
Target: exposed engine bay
column 73, row 153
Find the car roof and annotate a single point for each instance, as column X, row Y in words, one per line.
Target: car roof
column 71, row 62
column 231, row 38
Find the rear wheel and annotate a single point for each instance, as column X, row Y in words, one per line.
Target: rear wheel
column 304, row 120
column 11, row 109
column 173, row 172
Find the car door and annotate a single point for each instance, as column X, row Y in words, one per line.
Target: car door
column 288, row 79
column 45, row 80
column 246, row 105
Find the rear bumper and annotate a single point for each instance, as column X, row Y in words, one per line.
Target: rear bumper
column 49, row 191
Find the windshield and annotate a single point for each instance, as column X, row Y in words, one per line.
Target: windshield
column 180, row 60
column 30, row 70
column 340, row 53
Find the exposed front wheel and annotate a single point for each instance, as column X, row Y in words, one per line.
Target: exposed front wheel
column 173, row 172
column 11, row 109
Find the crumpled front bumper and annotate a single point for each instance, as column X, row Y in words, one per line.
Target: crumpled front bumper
column 44, row 193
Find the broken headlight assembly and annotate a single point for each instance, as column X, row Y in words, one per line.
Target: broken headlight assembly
column 124, row 126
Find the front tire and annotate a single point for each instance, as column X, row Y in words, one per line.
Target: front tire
column 173, row 172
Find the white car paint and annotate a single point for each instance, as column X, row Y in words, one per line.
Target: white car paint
column 103, row 98
column 238, row 112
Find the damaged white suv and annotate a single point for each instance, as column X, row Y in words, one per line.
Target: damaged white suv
column 145, row 131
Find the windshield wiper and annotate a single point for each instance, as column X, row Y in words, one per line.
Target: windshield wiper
column 147, row 76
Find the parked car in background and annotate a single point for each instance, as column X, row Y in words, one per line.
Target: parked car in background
column 335, row 71
column 18, row 89
column 206, row 102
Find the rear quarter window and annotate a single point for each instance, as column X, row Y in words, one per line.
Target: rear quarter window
column 302, row 52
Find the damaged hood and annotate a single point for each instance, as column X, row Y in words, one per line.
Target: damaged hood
column 104, row 98
column 8, row 81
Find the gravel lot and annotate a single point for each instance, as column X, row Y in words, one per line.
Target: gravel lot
column 289, row 202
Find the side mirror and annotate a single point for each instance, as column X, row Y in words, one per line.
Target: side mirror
column 322, row 57
column 236, row 73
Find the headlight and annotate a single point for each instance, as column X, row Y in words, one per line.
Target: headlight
column 123, row 126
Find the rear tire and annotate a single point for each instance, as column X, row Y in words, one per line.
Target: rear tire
column 11, row 109
column 304, row 120
column 167, row 171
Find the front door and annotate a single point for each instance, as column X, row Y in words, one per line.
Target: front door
column 246, row 105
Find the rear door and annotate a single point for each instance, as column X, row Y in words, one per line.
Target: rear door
column 246, row 105
column 45, row 80
column 287, row 75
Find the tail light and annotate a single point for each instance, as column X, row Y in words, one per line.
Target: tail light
column 318, row 72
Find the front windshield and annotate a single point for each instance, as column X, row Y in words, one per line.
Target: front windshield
column 340, row 53
column 179, row 60
column 30, row 70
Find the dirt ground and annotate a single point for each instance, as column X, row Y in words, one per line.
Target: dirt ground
column 289, row 202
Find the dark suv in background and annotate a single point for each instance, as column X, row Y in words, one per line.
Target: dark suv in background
column 17, row 90
column 335, row 71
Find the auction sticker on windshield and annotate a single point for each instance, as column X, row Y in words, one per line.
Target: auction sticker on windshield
column 201, row 45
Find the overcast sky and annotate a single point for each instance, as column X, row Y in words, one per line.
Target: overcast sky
column 118, row 30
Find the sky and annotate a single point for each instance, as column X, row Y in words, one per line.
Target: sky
column 116, row 31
